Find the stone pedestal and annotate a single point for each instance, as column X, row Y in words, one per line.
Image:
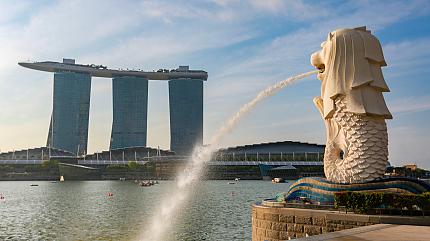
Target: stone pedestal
column 280, row 223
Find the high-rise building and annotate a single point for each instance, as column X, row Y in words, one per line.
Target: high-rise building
column 186, row 115
column 130, row 106
column 72, row 86
column 68, row 129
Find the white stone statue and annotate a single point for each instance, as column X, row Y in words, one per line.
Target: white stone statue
column 352, row 105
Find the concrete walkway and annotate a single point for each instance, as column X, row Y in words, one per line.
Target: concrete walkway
column 377, row 232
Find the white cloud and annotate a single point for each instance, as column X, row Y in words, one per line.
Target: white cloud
column 410, row 104
column 152, row 48
column 271, row 5
column 225, row 3
column 9, row 10
column 408, row 54
column 172, row 12
column 298, row 10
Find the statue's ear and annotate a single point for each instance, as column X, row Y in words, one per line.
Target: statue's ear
column 362, row 28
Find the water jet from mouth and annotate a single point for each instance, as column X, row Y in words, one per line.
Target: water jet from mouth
column 163, row 219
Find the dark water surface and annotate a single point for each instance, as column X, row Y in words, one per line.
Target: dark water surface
column 82, row 210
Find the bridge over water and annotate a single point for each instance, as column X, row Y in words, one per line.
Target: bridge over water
column 170, row 159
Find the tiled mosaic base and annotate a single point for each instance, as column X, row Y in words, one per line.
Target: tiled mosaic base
column 320, row 190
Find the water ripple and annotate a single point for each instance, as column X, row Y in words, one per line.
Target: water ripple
column 84, row 211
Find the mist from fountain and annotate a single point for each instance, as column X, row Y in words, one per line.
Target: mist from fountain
column 164, row 218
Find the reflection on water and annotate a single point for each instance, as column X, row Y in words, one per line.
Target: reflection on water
column 84, row 211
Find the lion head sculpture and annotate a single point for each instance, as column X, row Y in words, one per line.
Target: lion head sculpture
column 352, row 105
column 350, row 64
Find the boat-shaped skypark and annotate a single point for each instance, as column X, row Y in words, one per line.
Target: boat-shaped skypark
column 71, row 105
column 182, row 72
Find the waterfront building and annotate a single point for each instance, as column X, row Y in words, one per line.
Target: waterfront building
column 72, row 85
column 68, row 129
column 186, row 115
column 130, row 105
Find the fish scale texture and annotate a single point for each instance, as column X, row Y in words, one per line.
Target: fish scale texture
column 365, row 149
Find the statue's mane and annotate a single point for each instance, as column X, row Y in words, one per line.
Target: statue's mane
column 353, row 60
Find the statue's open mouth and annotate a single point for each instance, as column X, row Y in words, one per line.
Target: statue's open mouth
column 321, row 68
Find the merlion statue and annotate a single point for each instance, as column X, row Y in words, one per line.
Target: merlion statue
column 352, row 105
column 354, row 112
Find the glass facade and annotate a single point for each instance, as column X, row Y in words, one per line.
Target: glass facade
column 186, row 115
column 68, row 129
column 130, row 105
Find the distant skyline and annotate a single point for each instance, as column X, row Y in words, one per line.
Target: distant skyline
column 243, row 45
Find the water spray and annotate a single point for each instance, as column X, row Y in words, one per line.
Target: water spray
column 164, row 218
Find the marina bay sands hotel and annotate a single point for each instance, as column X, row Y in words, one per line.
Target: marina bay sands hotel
column 68, row 129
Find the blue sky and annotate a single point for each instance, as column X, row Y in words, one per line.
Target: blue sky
column 244, row 45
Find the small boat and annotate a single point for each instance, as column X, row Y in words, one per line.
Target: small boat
column 122, row 178
column 237, row 179
column 278, row 180
column 34, row 185
column 231, row 183
column 147, row 183
column 61, row 178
